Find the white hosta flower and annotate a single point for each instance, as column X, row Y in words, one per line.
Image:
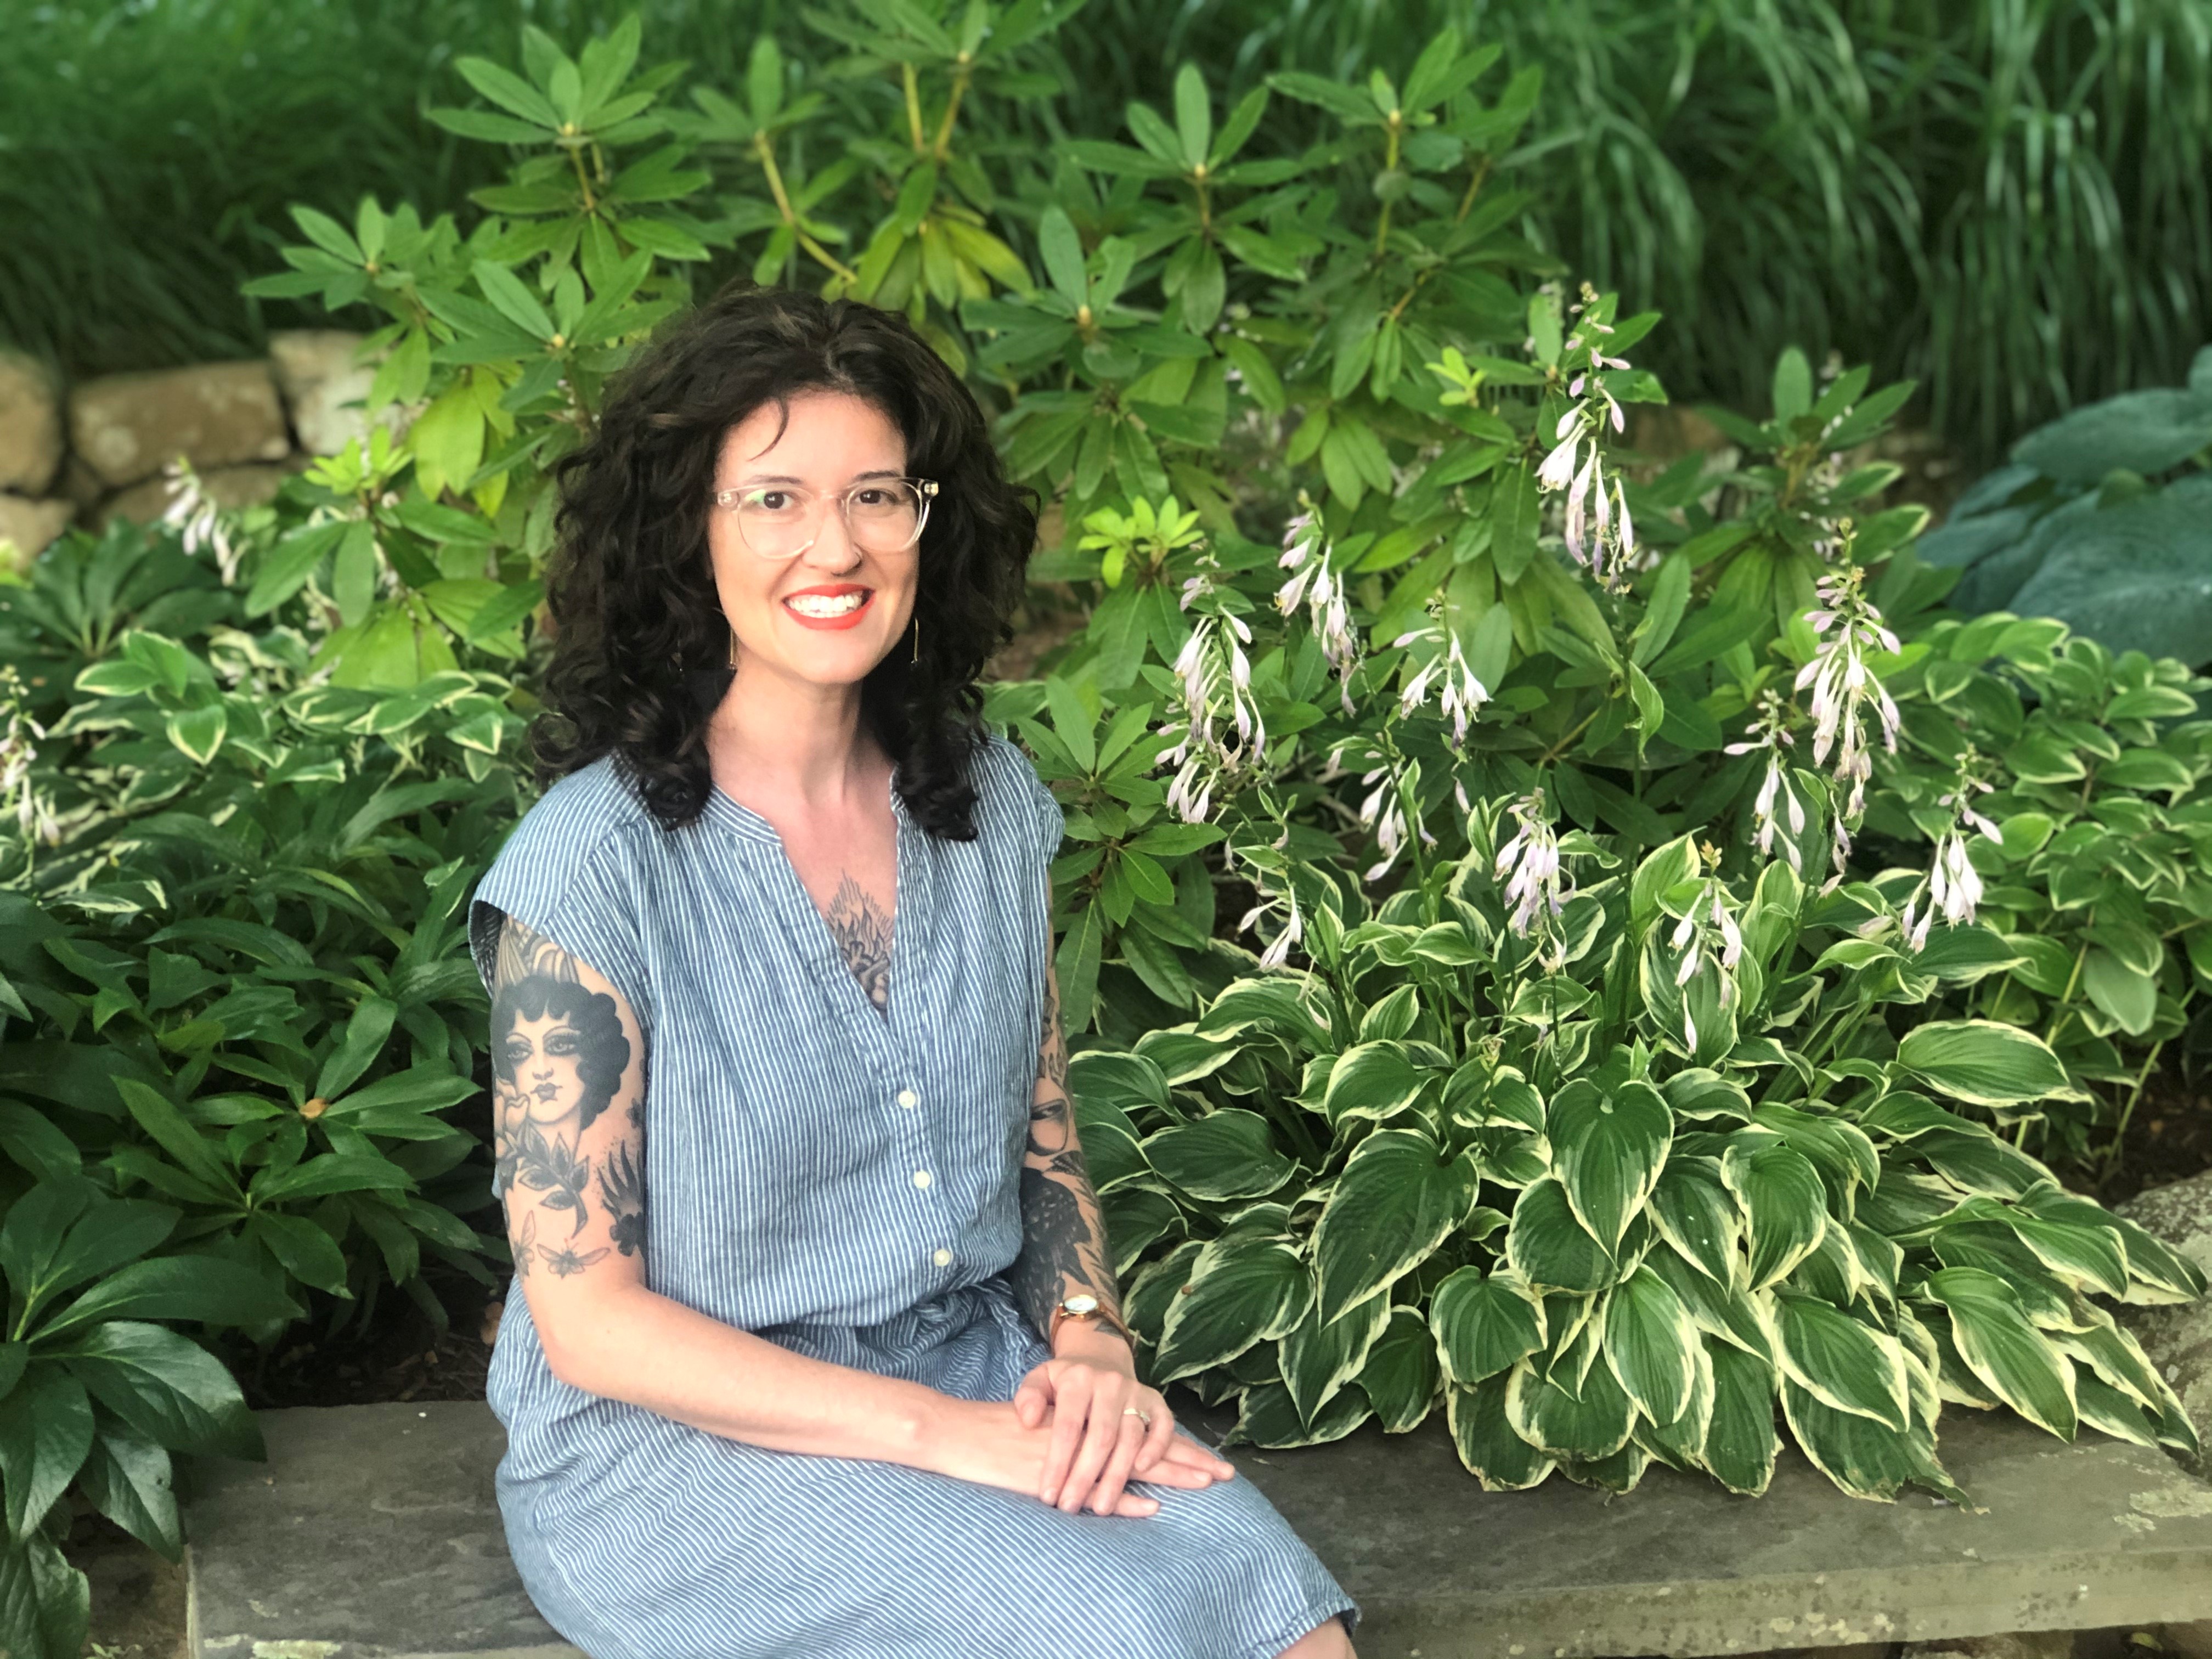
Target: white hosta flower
column 1285, row 904
column 1778, row 802
column 1459, row 694
column 1953, row 887
column 1599, row 531
column 19, row 737
column 1221, row 730
column 198, row 520
column 1323, row 593
column 1536, row 888
column 1383, row 813
column 1845, row 691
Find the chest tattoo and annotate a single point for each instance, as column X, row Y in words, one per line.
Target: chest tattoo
column 862, row 929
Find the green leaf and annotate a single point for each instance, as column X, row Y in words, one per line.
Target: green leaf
column 1741, row 1442
column 1318, row 1357
column 1983, row 1062
column 176, row 1136
column 365, row 1035
column 1373, row 1080
column 1241, row 1291
column 1549, row 1249
column 1606, row 1150
column 204, row 1288
column 1484, row 1323
column 1399, row 1194
column 1516, row 516
column 1400, row 1376
column 1865, row 1458
column 44, row 1602
column 1651, row 1344
column 2016, row 1361
column 288, row 565
column 301, row 1248
column 129, row 1480
column 199, row 732
column 1593, row 1423
column 1793, row 385
column 2130, row 999
column 168, row 1388
column 1226, row 1154
column 46, row 1430
column 1846, row 1366
column 1783, row 1201
column 1193, row 115
column 1483, row 1436
column 1696, row 1214
column 1061, row 249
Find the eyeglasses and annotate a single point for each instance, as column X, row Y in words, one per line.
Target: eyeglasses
column 781, row 521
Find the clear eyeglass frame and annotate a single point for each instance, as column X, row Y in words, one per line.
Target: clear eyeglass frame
column 811, row 506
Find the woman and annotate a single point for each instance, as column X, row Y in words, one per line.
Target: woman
column 819, row 1353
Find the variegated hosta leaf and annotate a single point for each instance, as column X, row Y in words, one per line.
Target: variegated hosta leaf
column 1399, row 1194
column 1681, row 1442
column 1720, row 1311
column 1269, row 1417
column 1981, row 1062
column 1550, row 1249
column 1650, row 1343
column 1400, row 1375
column 1137, row 1217
column 1319, row 1358
column 2116, row 1357
column 1241, row 1291
column 1865, row 1458
column 1621, row 1473
column 1484, row 1323
column 1588, row 1423
column 2020, row 1364
column 1846, row 1366
column 1608, row 1150
column 1695, row 1213
column 1373, row 1080
column 1226, row 1154
column 1992, row 1247
column 1782, row 1196
column 1481, row 1432
column 1741, row 1442
column 1841, row 1152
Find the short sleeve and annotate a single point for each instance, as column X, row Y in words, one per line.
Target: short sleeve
column 568, row 873
column 1035, row 810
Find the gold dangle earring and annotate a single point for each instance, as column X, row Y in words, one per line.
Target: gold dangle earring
column 917, row 634
column 733, row 647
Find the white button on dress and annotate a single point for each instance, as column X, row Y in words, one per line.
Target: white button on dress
column 921, row 1177
column 907, row 1098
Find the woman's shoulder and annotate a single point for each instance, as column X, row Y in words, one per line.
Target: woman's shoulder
column 573, row 827
column 1012, row 802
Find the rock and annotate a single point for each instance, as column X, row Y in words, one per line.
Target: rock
column 2180, row 1339
column 129, row 427
column 225, row 486
column 317, row 375
column 30, row 424
column 28, row 526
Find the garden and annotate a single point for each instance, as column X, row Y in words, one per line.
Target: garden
column 1649, row 957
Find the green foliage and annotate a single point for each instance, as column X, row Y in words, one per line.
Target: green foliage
column 2099, row 521
column 1522, row 1180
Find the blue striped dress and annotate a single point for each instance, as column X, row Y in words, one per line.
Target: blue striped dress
column 794, row 1193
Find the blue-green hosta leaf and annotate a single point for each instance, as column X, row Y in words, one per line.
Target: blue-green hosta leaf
column 1741, row 1442
column 1981, row 1062
column 1845, row 1365
column 1782, row 1198
column 1696, row 1213
column 1483, row 1322
column 1590, row 1424
column 1373, row 1080
column 1864, row 1457
column 1401, row 1376
column 1650, row 1343
column 2020, row 1364
column 1226, row 1154
column 1241, row 1291
column 1549, row 1247
column 1608, row 1150
column 2144, row 432
column 1398, row 1195
column 1318, row 1359
column 1483, row 1436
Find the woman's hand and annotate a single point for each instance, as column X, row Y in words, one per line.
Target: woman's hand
column 986, row 1442
column 1100, row 1435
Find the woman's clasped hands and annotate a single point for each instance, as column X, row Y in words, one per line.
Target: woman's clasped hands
column 1100, row 1428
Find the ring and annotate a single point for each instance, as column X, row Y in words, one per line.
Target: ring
column 1146, row 1417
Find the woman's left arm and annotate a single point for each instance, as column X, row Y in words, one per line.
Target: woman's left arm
column 1090, row 1385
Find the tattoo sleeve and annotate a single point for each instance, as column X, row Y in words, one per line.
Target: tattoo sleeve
column 569, row 1070
column 1064, row 1249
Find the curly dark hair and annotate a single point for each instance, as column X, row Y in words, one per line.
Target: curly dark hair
column 639, row 649
column 602, row 1051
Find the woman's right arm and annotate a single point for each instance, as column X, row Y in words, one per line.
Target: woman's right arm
column 568, row 1067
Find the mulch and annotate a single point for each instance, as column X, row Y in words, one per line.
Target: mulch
column 398, row 1354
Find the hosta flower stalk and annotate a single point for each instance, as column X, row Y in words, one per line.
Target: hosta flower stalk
column 1599, row 531
column 197, row 520
column 1536, row 887
column 1321, row 591
column 1777, row 804
column 1445, row 676
column 1221, row 732
column 1953, row 887
column 1847, row 695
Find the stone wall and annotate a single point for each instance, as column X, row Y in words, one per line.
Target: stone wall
column 89, row 452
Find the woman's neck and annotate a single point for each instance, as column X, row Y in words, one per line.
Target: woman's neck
column 777, row 740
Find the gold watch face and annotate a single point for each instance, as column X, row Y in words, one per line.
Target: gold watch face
column 1076, row 1306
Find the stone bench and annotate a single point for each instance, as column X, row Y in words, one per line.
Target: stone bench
column 372, row 1533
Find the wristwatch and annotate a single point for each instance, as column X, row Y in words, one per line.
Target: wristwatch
column 1083, row 1306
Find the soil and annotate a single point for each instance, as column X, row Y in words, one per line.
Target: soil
column 2168, row 1137
column 398, row 1354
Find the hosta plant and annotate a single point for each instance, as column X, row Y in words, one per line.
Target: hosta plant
column 1616, row 1164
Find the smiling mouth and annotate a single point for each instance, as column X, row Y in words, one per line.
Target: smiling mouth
column 841, row 606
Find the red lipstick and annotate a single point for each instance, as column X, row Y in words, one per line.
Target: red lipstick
column 831, row 590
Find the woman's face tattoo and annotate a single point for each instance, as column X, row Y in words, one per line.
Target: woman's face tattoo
column 542, row 1055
